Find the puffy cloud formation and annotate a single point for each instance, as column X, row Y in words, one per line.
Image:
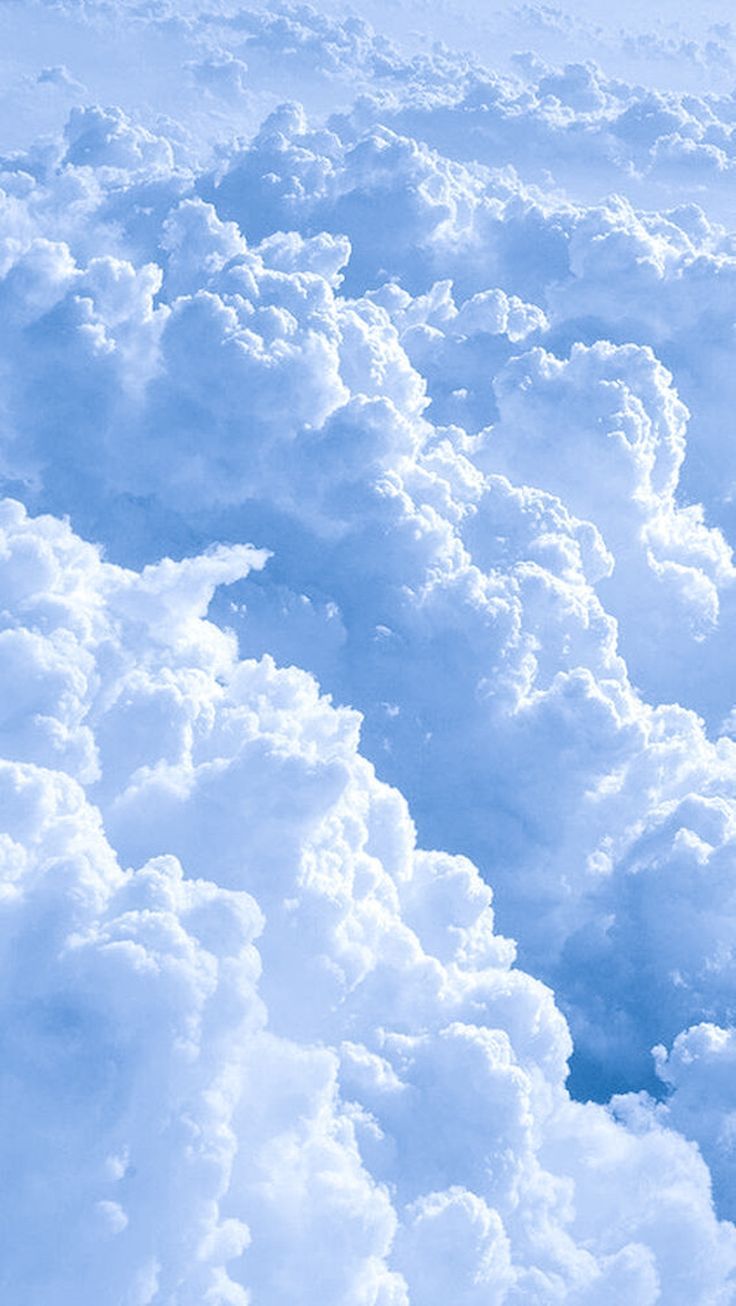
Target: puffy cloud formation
column 287, row 1054
column 449, row 424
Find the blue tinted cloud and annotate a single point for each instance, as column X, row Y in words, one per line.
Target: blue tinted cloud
column 421, row 390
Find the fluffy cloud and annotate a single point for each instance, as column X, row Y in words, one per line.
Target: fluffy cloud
column 309, row 1039
column 479, row 425
column 483, row 631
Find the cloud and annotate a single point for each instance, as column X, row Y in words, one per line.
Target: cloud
column 307, row 1025
column 633, row 425
column 697, row 1071
column 221, row 74
column 59, row 75
column 476, row 424
column 104, row 138
column 230, row 384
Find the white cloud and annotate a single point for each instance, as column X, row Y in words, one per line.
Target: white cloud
column 311, row 1040
column 476, row 615
column 472, row 418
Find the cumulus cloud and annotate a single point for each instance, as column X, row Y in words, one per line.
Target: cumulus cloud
column 408, row 406
column 494, row 577
column 306, row 1028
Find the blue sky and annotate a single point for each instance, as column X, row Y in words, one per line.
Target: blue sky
column 367, row 606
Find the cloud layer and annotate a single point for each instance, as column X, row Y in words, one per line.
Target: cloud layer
column 401, row 426
column 288, row 1030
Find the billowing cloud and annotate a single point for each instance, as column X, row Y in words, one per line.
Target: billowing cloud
column 287, row 1030
column 431, row 433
